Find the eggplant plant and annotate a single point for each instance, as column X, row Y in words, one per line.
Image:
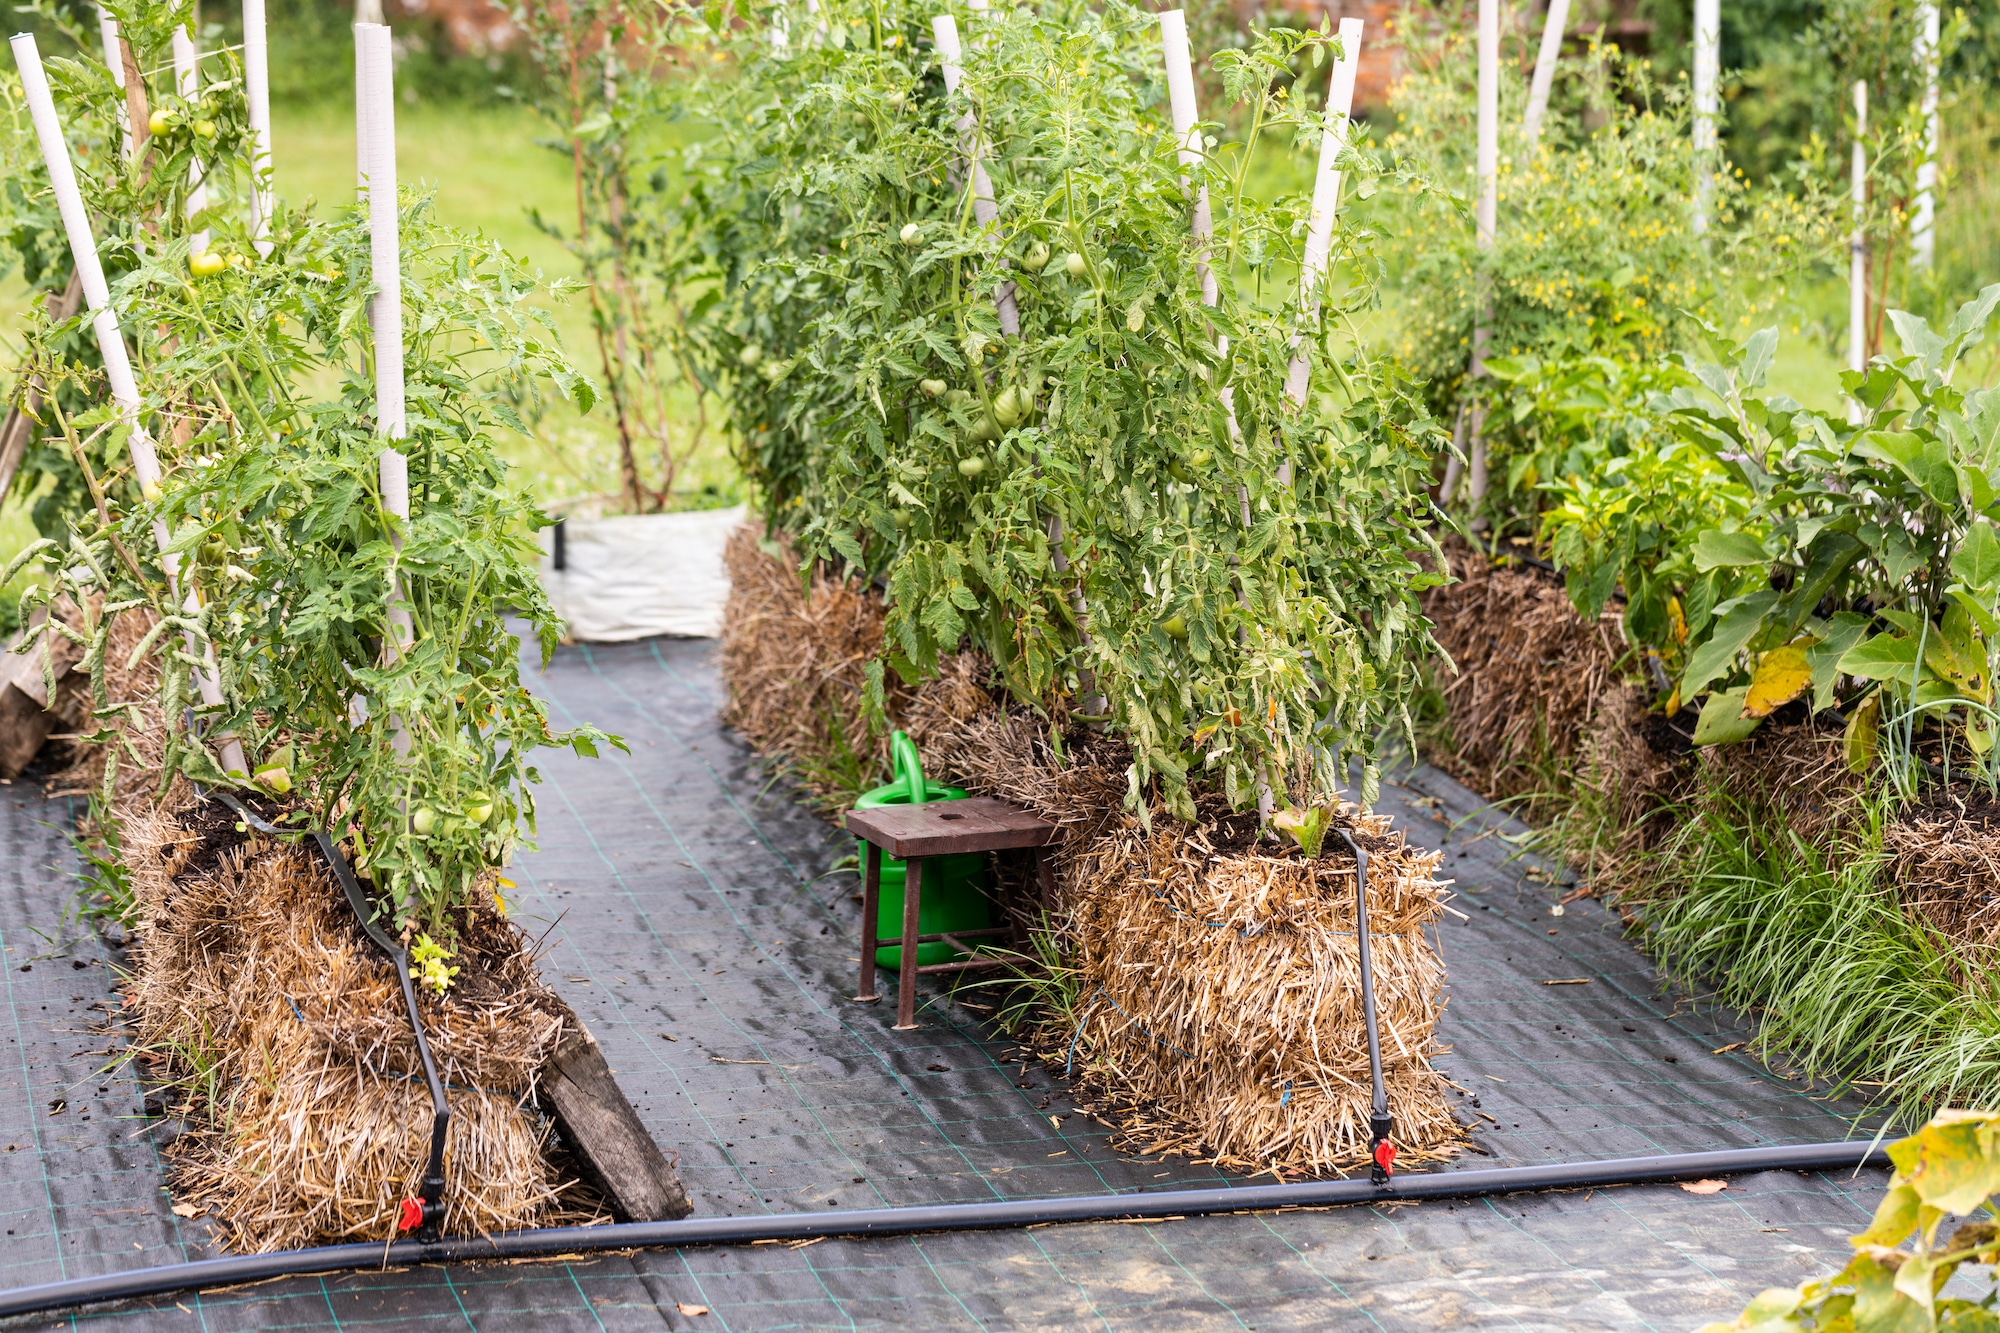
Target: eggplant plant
column 1051, row 420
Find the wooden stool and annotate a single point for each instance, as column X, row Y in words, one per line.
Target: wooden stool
column 912, row 833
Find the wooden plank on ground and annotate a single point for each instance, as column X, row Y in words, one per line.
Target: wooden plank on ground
column 600, row 1125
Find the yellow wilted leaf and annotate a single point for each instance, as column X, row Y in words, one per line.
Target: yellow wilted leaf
column 1864, row 727
column 1677, row 623
column 1782, row 676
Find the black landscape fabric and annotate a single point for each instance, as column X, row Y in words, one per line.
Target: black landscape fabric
column 694, row 924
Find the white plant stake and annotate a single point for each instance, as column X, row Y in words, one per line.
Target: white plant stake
column 1923, row 221
column 1326, row 196
column 187, row 82
column 1181, row 101
column 1486, row 167
column 376, row 130
column 944, row 30
column 257, row 88
column 114, row 59
column 1545, row 73
column 110, row 341
column 1707, row 105
column 1857, row 250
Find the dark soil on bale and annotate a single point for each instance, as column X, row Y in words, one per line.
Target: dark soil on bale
column 1530, row 676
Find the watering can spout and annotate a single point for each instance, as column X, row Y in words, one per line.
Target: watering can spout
column 909, row 766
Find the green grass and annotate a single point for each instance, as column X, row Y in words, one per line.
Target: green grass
column 487, row 172
column 1813, row 939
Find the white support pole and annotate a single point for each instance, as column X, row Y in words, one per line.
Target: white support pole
column 187, row 82
column 375, row 114
column 1326, row 197
column 110, row 338
column 1486, row 225
column 1923, row 221
column 1857, row 247
column 1707, row 105
column 114, row 60
column 257, row 89
column 951, row 57
column 1545, row 73
column 360, row 123
column 1181, row 102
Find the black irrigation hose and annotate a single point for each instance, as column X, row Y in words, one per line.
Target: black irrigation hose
column 936, row 1217
column 424, row 1213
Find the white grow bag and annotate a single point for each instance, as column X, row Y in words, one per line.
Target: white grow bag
column 634, row 576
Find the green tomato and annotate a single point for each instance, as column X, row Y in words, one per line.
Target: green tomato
column 1010, row 406
column 159, row 122
column 423, row 820
column 1074, row 263
column 206, row 264
column 750, row 355
column 895, row 100
column 1037, row 258
column 205, row 128
column 958, row 398
column 480, row 809
column 984, row 431
column 932, row 388
column 912, row 234
column 1199, row 458
column 1175, row 626
column 214, row 552
column 971, row 467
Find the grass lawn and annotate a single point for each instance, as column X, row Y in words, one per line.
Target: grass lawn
column 487, row 172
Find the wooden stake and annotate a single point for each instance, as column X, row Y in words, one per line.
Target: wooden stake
column 1857, row 248
column 257, row 89
column 110, row 338
column 944, row 30
column 1545, row 73
column 187, row 82
column 1923, row 220
column 1707, row 105
column 1486, row 168
column 1326, row 198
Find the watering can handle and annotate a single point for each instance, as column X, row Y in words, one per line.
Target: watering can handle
column 909, row 766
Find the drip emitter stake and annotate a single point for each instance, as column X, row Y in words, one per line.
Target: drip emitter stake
column 1380, row 1123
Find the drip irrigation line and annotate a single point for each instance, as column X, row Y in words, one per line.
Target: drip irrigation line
column 992, row 1215
column 424, row 1213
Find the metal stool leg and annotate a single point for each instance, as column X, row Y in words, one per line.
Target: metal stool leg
column 906, row 975
column 871, row 893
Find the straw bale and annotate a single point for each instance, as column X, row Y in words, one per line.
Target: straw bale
column 1242, row 1040
column 1220, row 995
column 795, row 653
column 249, row 963
column 1944, row 861
column 1531, row 672
column 1072, row 776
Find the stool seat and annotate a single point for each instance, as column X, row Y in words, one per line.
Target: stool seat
column 913, row 833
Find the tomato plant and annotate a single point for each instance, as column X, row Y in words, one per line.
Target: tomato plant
column 1073, row 464
column 256, row 393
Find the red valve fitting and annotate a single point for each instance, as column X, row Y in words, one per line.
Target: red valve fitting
column 1385, row 1157
column 413, row 1215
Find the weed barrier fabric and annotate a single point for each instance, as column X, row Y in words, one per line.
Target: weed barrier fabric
column 686, row 896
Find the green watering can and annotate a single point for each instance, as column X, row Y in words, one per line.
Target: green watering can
column 954, row 886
